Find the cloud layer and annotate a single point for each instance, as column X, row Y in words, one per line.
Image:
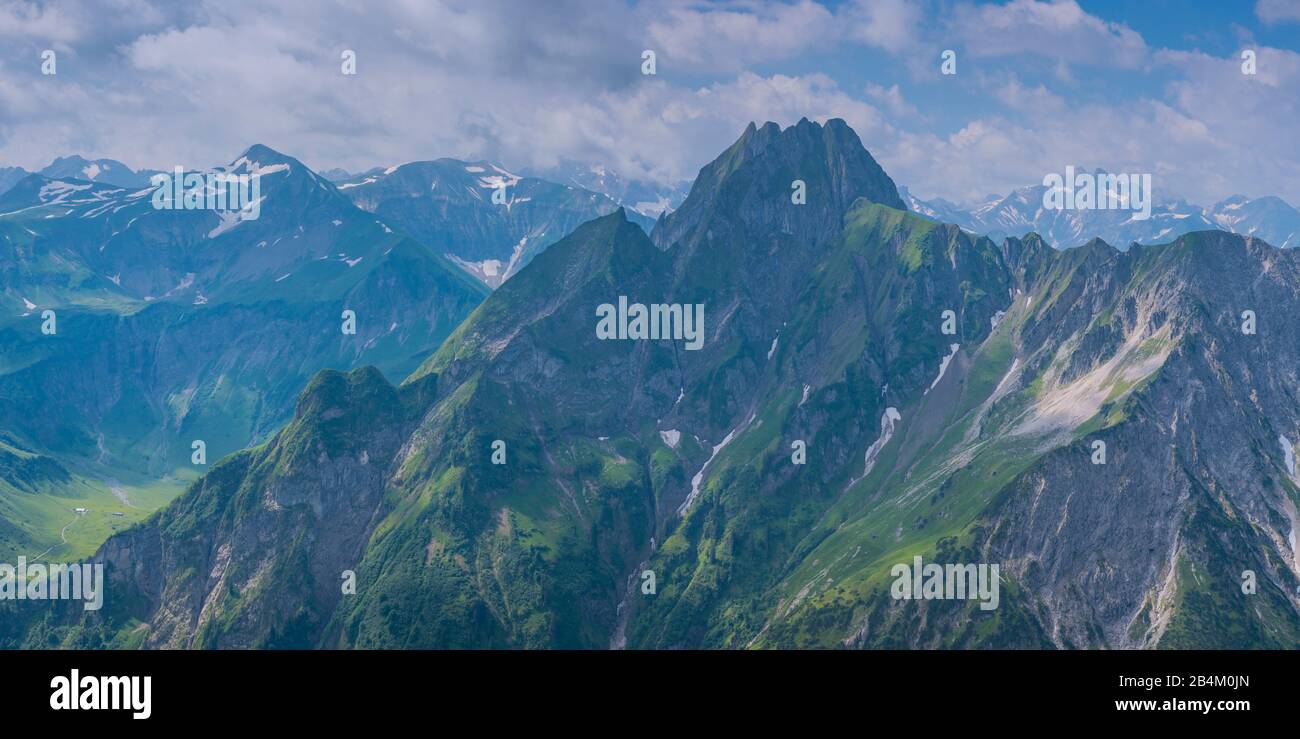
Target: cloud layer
column 1039, row 85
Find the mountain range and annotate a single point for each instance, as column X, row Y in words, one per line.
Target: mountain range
column 179, row 326
column 183, row 326
column 449, row 206
column 102, row 171
column 638, row 196
column 1115, row 430
column 1021, row 211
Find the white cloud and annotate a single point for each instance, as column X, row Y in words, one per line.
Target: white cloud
column 25, row 20
column 722, row 38
column 892, row 98
column 529, row 84
column 1278, row 11
column 892, row 25
column 491, row 83
column 667, row 133
column 1058, row 30
column 1034, row 100
column 1216, row 132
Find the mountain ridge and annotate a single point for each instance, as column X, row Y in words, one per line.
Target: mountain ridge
column 948, row 391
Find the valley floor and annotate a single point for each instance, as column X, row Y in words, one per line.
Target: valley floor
column 67, row 521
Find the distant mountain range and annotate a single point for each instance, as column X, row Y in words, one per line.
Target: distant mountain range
column 449, row 206
column 646, row 198
column 101, row 171
column 1021, row 212
column 493, row 248
column 641, row 196
column 460, row 219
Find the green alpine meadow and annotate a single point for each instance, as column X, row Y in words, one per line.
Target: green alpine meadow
column 894, row 433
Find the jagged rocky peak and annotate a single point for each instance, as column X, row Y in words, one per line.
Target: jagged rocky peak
column 819, row 169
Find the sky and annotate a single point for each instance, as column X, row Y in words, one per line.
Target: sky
column 1147, row 87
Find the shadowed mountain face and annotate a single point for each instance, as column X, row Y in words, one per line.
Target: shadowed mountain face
column 1115, row 431
column 9, row 176
column 750, row 186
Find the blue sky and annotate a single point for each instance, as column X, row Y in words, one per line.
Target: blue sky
column 1152, row 86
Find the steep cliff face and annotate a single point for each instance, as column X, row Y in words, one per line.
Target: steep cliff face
column 869, row 387
column 1144, row 353
column 1151, row 549
column 253, row 555
column 863, row 378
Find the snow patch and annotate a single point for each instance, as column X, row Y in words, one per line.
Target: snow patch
column 256, row 168
column 887, row 421
column 1288, row 455
column 347, row 185
column 229, row 219
column 699, row 476
column 58, row 191
column 185, row 284
column 495, row 181
column 943, row 366
column 671, row 437
column 652, row 208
